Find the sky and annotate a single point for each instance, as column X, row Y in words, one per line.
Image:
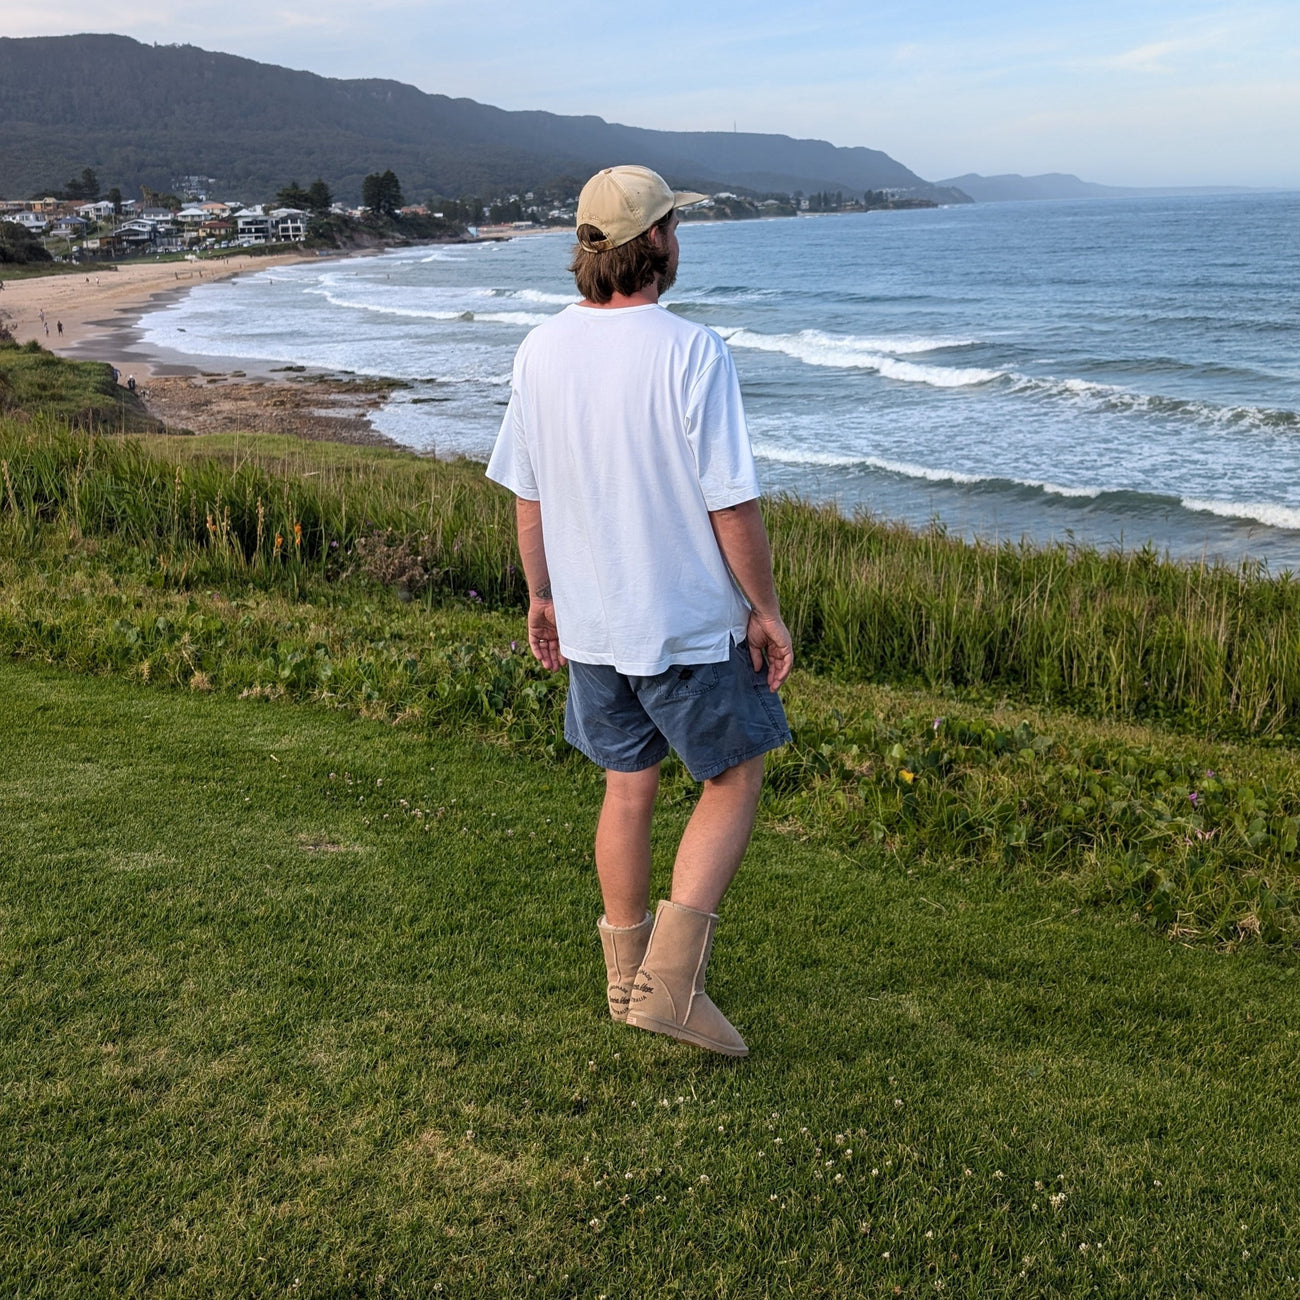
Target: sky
column 1143, row 92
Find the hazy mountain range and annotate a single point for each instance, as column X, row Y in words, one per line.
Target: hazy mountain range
column 148, row 114
column 1061, row 185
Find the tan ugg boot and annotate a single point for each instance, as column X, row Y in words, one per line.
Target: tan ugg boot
column 668, row 996
column 624, row 947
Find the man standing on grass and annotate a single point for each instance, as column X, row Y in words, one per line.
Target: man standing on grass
column 649, row 573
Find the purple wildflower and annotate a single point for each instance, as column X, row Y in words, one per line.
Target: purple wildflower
column 1193, row 797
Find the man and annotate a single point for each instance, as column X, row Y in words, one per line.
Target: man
column 649, row 573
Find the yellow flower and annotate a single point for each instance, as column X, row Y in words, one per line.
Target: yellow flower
column 297, row 534
column 907, row 776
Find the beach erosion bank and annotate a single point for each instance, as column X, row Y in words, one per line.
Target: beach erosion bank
column 96, row 316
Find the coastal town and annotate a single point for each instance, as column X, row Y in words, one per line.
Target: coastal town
column 78, row 222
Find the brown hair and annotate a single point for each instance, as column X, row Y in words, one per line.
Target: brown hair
column 622, row 270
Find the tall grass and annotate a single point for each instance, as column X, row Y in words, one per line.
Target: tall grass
column 1111, row 634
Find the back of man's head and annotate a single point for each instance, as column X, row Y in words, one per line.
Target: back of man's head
column 616, row 253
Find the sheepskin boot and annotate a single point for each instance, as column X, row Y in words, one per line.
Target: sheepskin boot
column 668, row 996
column 624, row 947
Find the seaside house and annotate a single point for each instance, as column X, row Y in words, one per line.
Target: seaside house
column 288, row 224
column 252, row 225
column 100, row 211
column 217, row 228
column 193, row 216
column 69, row 228
column 32, row 221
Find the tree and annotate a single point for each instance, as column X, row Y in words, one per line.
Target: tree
column 115, row 198
column 319, row 197
column 382, row 193
column 292, row 196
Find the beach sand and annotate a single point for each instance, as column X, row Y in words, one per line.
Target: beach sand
column 98, row 306
column 100, row 309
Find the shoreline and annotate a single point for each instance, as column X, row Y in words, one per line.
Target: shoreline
column 101, row 314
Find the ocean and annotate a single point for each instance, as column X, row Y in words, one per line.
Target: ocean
column 1115, row 372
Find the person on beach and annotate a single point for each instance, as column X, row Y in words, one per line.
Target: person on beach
column 130, row 382
column 649, row 574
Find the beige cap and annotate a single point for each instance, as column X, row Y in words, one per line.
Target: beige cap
column 622, row 202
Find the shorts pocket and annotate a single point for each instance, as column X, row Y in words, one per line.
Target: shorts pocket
column 686, row 681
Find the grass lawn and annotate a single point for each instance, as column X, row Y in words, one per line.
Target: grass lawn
column 294, row 1001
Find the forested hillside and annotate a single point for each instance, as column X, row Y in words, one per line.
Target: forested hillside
column 145, row 115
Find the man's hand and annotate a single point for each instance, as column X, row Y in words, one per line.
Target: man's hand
column 543, row 638
column 769, row 639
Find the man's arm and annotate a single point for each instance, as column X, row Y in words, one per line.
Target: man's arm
column 742, row 539
column 543, row 638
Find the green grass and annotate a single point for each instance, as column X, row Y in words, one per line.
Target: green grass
column 299, row 1000
column 35, row 385
column 396, row 600
column 1210, row 649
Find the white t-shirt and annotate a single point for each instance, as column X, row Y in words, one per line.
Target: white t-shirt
column 627, row 425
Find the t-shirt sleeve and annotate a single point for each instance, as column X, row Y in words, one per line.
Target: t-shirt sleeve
column 719, row 436
column 511, row 465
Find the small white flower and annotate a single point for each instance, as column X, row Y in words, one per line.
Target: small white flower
column 628, row 1175
column 772, row 1197
column 595, row 1223
column 898, row 1101
column 1155, row 1182
column 874, row 1172
column 929, row 1235
column 967, row 1173
column 885, row 1255
column 997, row 1173
column 839, row 1178
column 704, row 1178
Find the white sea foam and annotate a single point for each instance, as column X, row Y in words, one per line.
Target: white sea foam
column 906, row 469
column 815, row 348
column 526, row 318
column 1264, row 512
column 538, row 296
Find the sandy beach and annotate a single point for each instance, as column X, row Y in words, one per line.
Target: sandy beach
column 99, row 310
column 96, row 308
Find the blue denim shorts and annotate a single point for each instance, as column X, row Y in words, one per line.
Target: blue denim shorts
column 713, row 715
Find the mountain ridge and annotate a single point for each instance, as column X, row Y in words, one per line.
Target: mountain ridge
column 144, row 114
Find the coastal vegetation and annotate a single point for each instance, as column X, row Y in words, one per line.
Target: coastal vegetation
column 268, row 568
column 304, row 990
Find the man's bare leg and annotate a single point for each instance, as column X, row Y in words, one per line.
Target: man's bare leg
column 623, row 844
column 716, row 836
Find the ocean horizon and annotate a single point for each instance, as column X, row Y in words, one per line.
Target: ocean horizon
column 1112, row 372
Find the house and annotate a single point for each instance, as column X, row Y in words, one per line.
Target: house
column 138, row 231
column 253, row 225
column 288, row 224
column 192, row 215
column 69, row 228
column 163, row 216
column 217, row 229
column 100, row 211
column 32, row 221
